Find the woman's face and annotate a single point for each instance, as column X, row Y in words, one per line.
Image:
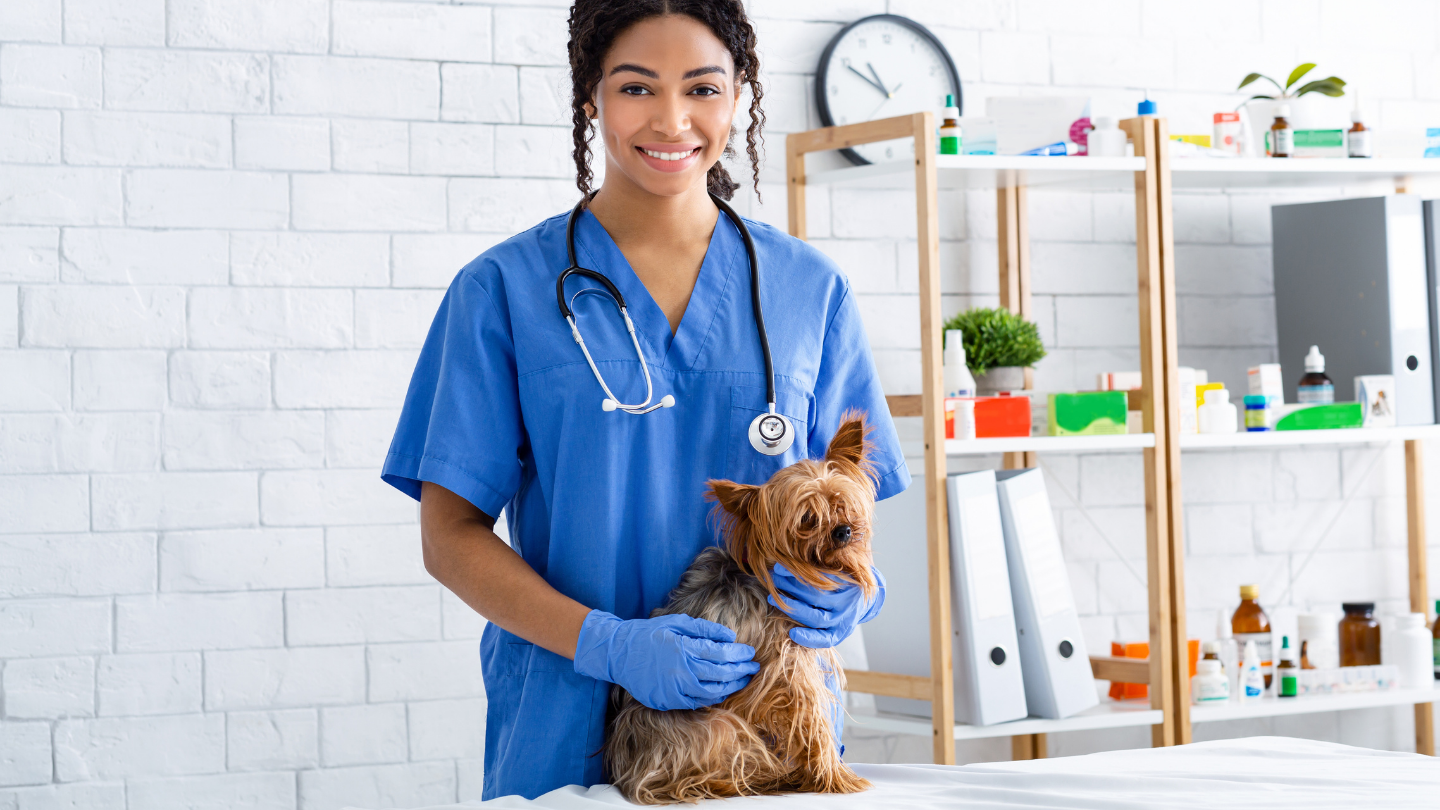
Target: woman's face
column 665, row 104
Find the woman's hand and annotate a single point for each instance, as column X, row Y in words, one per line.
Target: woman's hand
column 668, row 662
column 829, row 617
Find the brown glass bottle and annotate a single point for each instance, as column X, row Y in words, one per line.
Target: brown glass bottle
column 1251, row 624
column 1359, row 635
column 1436, row 633
column 1282, row 138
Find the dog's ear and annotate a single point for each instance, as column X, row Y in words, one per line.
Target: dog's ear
column 735, row 499
column 848, row 444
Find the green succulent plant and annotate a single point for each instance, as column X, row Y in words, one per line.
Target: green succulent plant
column 1333, row 86
column 997, row 337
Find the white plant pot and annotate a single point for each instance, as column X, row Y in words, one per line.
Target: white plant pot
column 998, row 379
column 1310, row 111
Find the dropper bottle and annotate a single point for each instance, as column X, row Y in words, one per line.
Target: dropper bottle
column 1315, row 388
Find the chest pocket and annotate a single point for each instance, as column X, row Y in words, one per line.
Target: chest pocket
column 743, row 463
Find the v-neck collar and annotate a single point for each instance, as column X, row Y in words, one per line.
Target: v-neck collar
column 681, row 350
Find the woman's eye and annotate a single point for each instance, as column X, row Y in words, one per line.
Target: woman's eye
column 634, row 90
column 706, row 91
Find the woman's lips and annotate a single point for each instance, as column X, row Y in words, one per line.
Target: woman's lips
column 669, row 163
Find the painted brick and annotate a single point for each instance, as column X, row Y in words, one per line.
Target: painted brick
column 36, row 195
column 1111, row 480
column 457, row 619
column 1230, row 321
column 218, row 792
column 1094, row 320
column 480, row 93
column 76, row 564
column 154, row 683
column 432, row 260
column 544, row 96
column 310, row 259
column 375, row 147
column 363, row 735
column 1015, row 57
column 358, row 438
column 49, row 76
column 1124, row 527
column 9, row 315
column 1083, row 269
column 25, row 754
column 30, row 21
column 42, row 688
column 30, row 136
column 110, row 748
column 115, row 22
column 374, row 555
column 1060, row 217
column 103, row 317
column 394, row 319
column 242, row 560
column 147, row 139
column 284, row 678
column 412, row 31
column 45, row 503
column 282, row 144
column 505, row 205
column 445, row 729
column 1202, row 218
column 528, row 151
column 208, row 440
column 530, row 36
column 188, row 198
column 1309, row 474
column 89, row 795
column 340, row 202
column 173, row 500
column 38, row 627
column 265, row 741
column 330, row 498
column 452, row 149
column 1219, row 529
column 297, row 26
column 358, row 379
column 363, row 88
column 186, row 81
column 362, row 615
column 1223, row 270
column 177, row 621
column 1086, row 61
column 220, row 379
column 1216, row 478
column 259, row 318
column 29, row 254
column 132, row 256
column 424, row 671
column 410, row 784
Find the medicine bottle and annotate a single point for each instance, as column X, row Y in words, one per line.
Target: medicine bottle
column 1359, row 635
column 1315, row 388
column 1209, row 684
column 1282, row 138
column 950, row 128
column 1435, row 633
column 1249, row 623
column 1287, row 672
column 1357, row 140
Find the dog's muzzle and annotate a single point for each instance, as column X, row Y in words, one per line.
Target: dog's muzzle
column 841, row 535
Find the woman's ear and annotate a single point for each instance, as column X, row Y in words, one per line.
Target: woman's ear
column 848, row 444
column 589, row 108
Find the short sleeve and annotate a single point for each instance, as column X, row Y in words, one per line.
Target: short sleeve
column 461, row 426
column 847, row 379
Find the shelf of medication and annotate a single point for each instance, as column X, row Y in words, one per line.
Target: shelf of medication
column 1276, row 707
column 1109, row 714
column 992, row 171
column 1291, row 438
column 1220, row 173
column 1048, row 444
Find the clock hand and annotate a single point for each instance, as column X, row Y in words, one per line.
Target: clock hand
column 881, row 82
column 867, row 80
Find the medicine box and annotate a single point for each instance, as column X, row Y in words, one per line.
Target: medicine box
column 1319, row 417
column 1086, row 413
column 1266, row 381
column 994, row 416
column 1376, row 394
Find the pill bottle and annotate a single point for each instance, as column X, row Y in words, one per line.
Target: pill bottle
column 1359, row 635
column 1413, row 651
column 1209, row 684
column 1257, row 413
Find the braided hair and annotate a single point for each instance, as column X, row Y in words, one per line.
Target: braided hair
column 594, row 25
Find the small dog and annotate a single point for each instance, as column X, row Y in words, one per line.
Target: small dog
column 774, row 735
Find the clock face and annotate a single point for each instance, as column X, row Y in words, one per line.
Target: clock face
column 881, row 67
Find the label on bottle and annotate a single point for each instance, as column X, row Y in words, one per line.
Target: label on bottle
column 1289, row 683
column 1323, row 394
column 1210, row 688
column 1437, row 655
column 949, row 144
column 1284, row 141
column 1360, row 144
column 1263, row 646
column 1254, row 683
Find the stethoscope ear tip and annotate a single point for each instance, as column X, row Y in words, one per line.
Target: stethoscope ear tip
column 667, row 401
column 607, row 405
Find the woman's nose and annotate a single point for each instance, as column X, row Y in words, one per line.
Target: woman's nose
column 841, row 535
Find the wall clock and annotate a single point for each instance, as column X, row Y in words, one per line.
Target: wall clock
column 880, row 67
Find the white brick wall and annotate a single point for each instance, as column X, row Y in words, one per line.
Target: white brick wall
column 224, row 228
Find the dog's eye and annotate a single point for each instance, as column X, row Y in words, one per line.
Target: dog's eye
column 808, row 521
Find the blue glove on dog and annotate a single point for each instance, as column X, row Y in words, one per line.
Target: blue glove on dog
column 829, row 617
column 668, row 662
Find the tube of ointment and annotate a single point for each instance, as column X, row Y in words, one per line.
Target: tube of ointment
column 1059, row 149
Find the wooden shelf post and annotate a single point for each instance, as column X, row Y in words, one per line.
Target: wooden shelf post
column 1419, row 576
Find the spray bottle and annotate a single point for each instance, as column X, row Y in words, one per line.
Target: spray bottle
column 1229, row 651
column 958, row 380
column 1252, row 680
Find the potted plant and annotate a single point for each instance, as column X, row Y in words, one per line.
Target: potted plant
column 999, row 346
column 1309, row 109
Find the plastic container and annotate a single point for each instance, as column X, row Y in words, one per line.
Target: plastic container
column 1251, row 625
column 1229, row 651
column 1359, row 635
column 1413, row 649
column 964, row 419
column 1257, row 413
column 1209, row 684
column 1105, row 140
column 1252, row 681
column 959, row 382
column 1319, row 640
column 1227, row 133
column 1217, row 415
column 1315, row 388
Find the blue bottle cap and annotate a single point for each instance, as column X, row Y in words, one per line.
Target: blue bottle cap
column 1256, row 401
column 1147, row 107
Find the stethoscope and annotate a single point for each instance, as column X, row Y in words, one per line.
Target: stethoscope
column 771, row 433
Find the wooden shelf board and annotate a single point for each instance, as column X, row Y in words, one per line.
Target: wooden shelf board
column 1221, row 173
column 993, row 171
column 1048, row 444
column 1109, row 714
column 1291, row 438
column 1277, row 707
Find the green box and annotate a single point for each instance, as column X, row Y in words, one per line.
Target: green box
column 1087, row 413
column 1323, row 417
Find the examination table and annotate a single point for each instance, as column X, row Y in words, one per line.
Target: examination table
column 1258, row 772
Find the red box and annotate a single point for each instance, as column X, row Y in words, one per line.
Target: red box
column 1004, row 415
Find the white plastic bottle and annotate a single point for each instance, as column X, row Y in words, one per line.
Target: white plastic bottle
column 1252, row 680
column 1217, row 415
column 958, row 380
column 1229, row 652
column 1413, row 652
column 1209, row 684
column 1106, row 139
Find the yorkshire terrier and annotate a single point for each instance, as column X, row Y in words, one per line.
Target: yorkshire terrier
column 775, row 735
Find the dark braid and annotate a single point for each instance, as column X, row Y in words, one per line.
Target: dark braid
column 594, row 25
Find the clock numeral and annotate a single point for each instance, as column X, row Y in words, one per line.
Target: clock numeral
column 834, row 89
column 861, row 41
column 889, row 152
column 885, row 38
column 845, row 61
column 934, row 69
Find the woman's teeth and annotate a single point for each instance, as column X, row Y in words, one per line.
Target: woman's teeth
column 669, row 155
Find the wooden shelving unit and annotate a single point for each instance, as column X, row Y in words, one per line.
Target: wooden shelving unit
column 1152, row 176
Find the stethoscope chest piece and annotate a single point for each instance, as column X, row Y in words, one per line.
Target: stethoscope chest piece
column 771, row 434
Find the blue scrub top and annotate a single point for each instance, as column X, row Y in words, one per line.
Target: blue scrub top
column 607, row 507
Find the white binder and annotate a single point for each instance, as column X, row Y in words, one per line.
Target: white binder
column 1055, row 663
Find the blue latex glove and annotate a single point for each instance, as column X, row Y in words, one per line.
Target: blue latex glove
column 829, row 617
column 668, row 662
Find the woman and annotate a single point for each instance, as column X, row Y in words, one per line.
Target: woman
column 605, row 506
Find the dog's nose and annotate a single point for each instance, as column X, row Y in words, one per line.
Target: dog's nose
column 840, row 534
